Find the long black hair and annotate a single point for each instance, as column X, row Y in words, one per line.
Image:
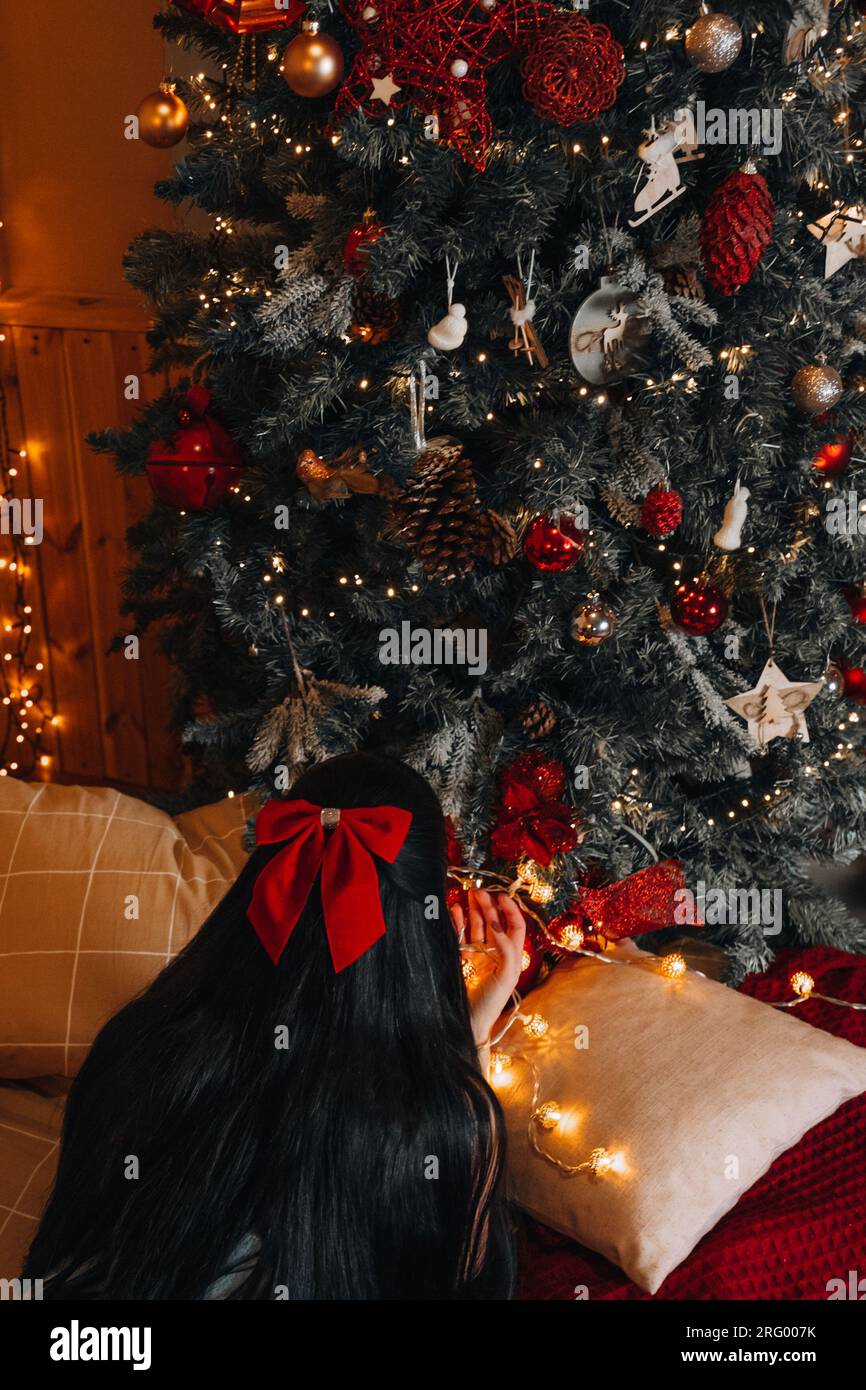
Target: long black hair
column 327, row 1135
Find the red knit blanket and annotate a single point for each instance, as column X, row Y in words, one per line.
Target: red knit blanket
column 802, row 1224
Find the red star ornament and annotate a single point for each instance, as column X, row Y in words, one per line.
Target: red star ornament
column 437, row 53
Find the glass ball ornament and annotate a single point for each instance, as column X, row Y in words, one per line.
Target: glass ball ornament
column 714, row 42
column 357, row 245
column 854, row 679
column 856, row 596
column 553, row 546
column 832, row 458
column 834, row 679
column 698, row 609
column 312, row 63
column 163, row 119
column 593, row 622
column 816, row 388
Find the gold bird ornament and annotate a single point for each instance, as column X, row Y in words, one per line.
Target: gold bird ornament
column 348, row 473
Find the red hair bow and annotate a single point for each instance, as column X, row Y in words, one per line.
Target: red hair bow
column 350, row 885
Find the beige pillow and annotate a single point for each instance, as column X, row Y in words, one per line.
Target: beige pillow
column 97, row 892
column 699, row 1089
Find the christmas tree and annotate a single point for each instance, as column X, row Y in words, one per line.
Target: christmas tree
column 516, row 428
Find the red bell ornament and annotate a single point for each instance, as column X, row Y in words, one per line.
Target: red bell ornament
column 832, row 458
column 194, row 470
column 553, row 546
column 698, row 609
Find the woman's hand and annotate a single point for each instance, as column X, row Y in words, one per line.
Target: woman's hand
column 498, row 922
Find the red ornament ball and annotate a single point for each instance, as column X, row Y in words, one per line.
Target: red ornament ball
column 854, row 683
column 662, row 511
column 553, row 546
column 572, row 70
column 196, row 469
column 357, row 245
column 856, row 596
column 698, row 608
column 832, row 458
column 736, row 231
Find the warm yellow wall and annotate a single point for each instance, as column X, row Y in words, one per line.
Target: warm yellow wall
column 73, row 191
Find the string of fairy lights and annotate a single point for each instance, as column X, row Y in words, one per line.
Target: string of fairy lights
column 29, row 708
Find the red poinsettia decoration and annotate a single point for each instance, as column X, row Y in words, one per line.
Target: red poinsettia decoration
column 532, row 820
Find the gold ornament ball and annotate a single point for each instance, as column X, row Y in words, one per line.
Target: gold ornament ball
column 593, row 623
column 714, row 42
column 163, row 119
column 816, row 389
column 313, row 63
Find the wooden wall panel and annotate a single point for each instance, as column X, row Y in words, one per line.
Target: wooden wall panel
column 61, row 383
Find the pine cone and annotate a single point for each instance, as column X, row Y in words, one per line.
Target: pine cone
column 498, row 538
column 537, row 720
column 438, row 516
column 375, row 315
column 683, row 282
column 662, row 511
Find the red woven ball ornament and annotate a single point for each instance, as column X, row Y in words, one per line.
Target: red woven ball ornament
column 662, row 511
column 573, row 70
column 736, row 231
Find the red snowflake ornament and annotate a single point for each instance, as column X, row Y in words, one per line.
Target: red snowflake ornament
column 436, row 54
column 736, row 231
column 573, row 70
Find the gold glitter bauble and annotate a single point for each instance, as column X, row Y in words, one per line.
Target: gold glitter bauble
column 593, row 623
column 816, row 389
column 714, row 42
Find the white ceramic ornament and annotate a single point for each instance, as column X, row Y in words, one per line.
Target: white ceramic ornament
column 448, row 333
column 843, row 233
column 602, row 341
column 776, row 707
column 729, row 534
column 659, row 153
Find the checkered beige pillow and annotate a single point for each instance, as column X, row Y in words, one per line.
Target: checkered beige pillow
column 97, row 892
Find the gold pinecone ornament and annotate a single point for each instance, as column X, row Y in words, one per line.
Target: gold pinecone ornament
column 439, row 517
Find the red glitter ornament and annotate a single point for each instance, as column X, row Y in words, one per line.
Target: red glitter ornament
column 196, row 469
column 662, row 511
column 832, row 458
column 436, row 53
column 532, row 821
column 554, row 546
column 357, row 245
column 736, row 231
column 698, row 608
column 854, row 680
column 573, row 70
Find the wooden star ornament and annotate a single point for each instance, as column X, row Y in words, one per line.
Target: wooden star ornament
column 776, row 707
